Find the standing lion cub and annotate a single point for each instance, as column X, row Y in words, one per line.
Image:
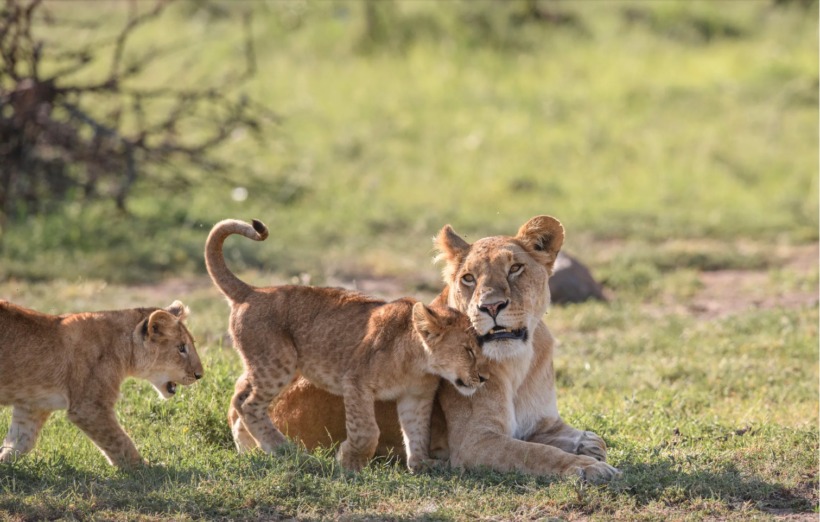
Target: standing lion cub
column 351, row 345
column 78, row 361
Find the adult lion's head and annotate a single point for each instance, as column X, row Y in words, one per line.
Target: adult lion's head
column 501, row 282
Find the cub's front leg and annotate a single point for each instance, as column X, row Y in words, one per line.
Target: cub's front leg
column 414, row 415
column 99, row 422
column 25, row 426
column 362, row 431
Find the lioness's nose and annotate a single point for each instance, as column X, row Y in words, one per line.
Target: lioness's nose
column 198, row 375
column 493, row 309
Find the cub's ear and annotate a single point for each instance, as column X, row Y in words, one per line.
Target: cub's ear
column 178, row 309
column 452, row 250
column 160, row 324
column 543, row 234
column 426, row 322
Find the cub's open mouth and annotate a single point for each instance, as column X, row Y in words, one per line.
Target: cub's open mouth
column 171, row 387
column 499, row 333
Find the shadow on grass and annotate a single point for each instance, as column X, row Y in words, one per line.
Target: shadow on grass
column 665, row 482
column 262, row 487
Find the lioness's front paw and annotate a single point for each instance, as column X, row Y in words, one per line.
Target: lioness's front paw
column 592, row 445
column 351, row 459
column 598, row 473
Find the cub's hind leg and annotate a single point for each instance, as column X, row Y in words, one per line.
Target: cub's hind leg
column 252, row 397
column 268, row 371
column 23, row 432
column 241, row 436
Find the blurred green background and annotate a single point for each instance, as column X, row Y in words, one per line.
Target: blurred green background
column 633, row 122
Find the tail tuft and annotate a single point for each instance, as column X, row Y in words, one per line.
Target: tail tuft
column 260, row 228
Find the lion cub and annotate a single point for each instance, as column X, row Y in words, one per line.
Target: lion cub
column 78, row 361
column 351, row 345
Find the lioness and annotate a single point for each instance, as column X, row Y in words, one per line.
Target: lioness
column 349, row 344
column 78, row 362
column 512, row 423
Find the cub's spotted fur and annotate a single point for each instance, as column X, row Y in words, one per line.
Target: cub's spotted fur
column 78, row 361
column 346, row 343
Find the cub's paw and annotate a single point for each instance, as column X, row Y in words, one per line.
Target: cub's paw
column 130, row 463
column 8, row 454
column 241, row 437
column 416, row 465
column 350, row 459
column 591, row 445
column 598, row 473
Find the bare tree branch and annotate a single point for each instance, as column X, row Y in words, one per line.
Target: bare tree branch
column 51, row 126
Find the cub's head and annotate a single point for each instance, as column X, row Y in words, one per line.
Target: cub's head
column 501, row 282
column 452, row 346
column 167, row 356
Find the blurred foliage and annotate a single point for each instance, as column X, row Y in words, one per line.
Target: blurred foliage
column 68, row 134
column 628, row 120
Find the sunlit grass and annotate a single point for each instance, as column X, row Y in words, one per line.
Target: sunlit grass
column 670, row 138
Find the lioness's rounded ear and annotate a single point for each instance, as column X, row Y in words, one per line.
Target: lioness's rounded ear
column 543, row 234
column 178, row 309
column 159, row 322
column 450, row 244
column 452, row 250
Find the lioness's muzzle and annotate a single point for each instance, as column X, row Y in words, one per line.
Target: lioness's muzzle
column 498, row 333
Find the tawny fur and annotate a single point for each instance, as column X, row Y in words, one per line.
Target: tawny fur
column 351, row 345
column 512, row 423
column 78, row 362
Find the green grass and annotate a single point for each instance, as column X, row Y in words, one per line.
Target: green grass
column 670, row 138
column 714, row 419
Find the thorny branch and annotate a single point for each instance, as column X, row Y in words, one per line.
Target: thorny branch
column 55, row 145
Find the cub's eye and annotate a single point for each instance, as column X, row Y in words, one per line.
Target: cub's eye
column 516, row 269
column 468, row 279
column 470, row 353
column 182, row 348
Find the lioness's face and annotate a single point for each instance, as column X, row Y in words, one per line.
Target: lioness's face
column 171, row 356
column 501, row 282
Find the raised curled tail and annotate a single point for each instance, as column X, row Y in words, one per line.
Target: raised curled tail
column 230, row 285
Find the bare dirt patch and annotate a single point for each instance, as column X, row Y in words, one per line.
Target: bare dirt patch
column 727, row 292
column 723, row 292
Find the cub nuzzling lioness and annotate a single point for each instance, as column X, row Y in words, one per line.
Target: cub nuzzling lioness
column 78, row 362
column 360, row 348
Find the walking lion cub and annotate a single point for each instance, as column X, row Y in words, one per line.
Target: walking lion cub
column 78, row 362
column 351, row 345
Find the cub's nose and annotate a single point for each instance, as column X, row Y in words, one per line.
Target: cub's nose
column 198, row 375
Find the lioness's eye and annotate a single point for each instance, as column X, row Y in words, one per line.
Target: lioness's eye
column 183, row 348
column 516, row 268
column 468, row 279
